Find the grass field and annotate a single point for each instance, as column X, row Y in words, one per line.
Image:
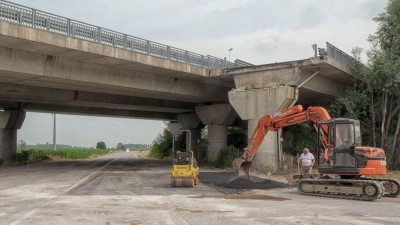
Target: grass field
column 25, row 156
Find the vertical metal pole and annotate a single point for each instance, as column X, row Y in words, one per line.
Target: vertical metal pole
column 33, row 18
column 190, row 141
column 148, row 47
column 198, row 150
column 98, row 35
column 19, row 15
column 125, row 41
column 168, row 52
column 173, row 146
column 54, row 132
column 187, row 57
column 280, row 153
column 69, row 27
column 47, row 23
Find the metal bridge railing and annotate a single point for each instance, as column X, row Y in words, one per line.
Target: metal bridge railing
column 40, row 20
column 339, row 55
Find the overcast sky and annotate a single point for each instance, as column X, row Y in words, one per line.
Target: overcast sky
column 259, row 31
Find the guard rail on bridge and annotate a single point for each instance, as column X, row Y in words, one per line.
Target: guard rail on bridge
column 339, row 55
column 41, row 20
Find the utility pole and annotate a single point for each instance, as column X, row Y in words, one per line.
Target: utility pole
column 54, row 132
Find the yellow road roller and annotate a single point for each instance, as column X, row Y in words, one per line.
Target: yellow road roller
column 184, row 170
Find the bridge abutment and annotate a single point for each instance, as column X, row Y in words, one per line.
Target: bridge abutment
column 217, row 117
column 10, row 122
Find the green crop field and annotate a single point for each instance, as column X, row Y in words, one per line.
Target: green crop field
column 25, row 156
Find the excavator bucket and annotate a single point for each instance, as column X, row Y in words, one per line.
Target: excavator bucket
column 241, row 167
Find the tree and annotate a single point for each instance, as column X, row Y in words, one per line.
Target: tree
column 236, row 137
column 297, row 137
column 120, row 146
column 21, row 144
column 101, row 145
column 161, row 145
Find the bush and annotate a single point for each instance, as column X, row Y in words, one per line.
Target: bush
column 120, row 146
column 101, row 145
column 162, row 145
column 22, row 156
column 226, row 156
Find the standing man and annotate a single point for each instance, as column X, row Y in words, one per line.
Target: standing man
column 307, row 162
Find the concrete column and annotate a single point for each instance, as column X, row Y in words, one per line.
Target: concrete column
column 217, row 140
column 10, row 122
column 216, row 116
column 192, row 123
column 8, row 146
column 251, row 105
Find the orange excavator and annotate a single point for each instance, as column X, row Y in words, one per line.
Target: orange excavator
column 339, row 152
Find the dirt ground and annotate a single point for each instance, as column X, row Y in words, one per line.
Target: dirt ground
column 124, row 189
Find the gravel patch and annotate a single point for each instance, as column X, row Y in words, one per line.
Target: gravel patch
column 226, row 181
column 243, row 183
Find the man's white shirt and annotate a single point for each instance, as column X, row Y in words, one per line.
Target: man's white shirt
column 306, row 160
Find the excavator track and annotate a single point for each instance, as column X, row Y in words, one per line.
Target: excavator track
column 391, row 187
column 365, row 190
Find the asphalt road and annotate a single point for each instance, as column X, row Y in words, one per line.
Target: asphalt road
column 123, row 189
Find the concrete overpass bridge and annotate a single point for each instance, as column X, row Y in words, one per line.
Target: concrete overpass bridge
column 50, row 63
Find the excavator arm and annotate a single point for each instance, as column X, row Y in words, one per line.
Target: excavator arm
column 287, row 117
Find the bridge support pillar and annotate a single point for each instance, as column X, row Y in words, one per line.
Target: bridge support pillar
column 251, row 105
column 216, row 116
column 192, row 123
column 10, row 122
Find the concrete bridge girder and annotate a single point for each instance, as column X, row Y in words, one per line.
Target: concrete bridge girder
column 292, row 76
column 22, row 37
column 35, row 69
column 53, row 96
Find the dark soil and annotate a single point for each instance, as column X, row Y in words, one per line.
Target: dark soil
column 243, row 183
column 229, row 181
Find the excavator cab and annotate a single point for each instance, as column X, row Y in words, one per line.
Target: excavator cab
column 337, row 142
